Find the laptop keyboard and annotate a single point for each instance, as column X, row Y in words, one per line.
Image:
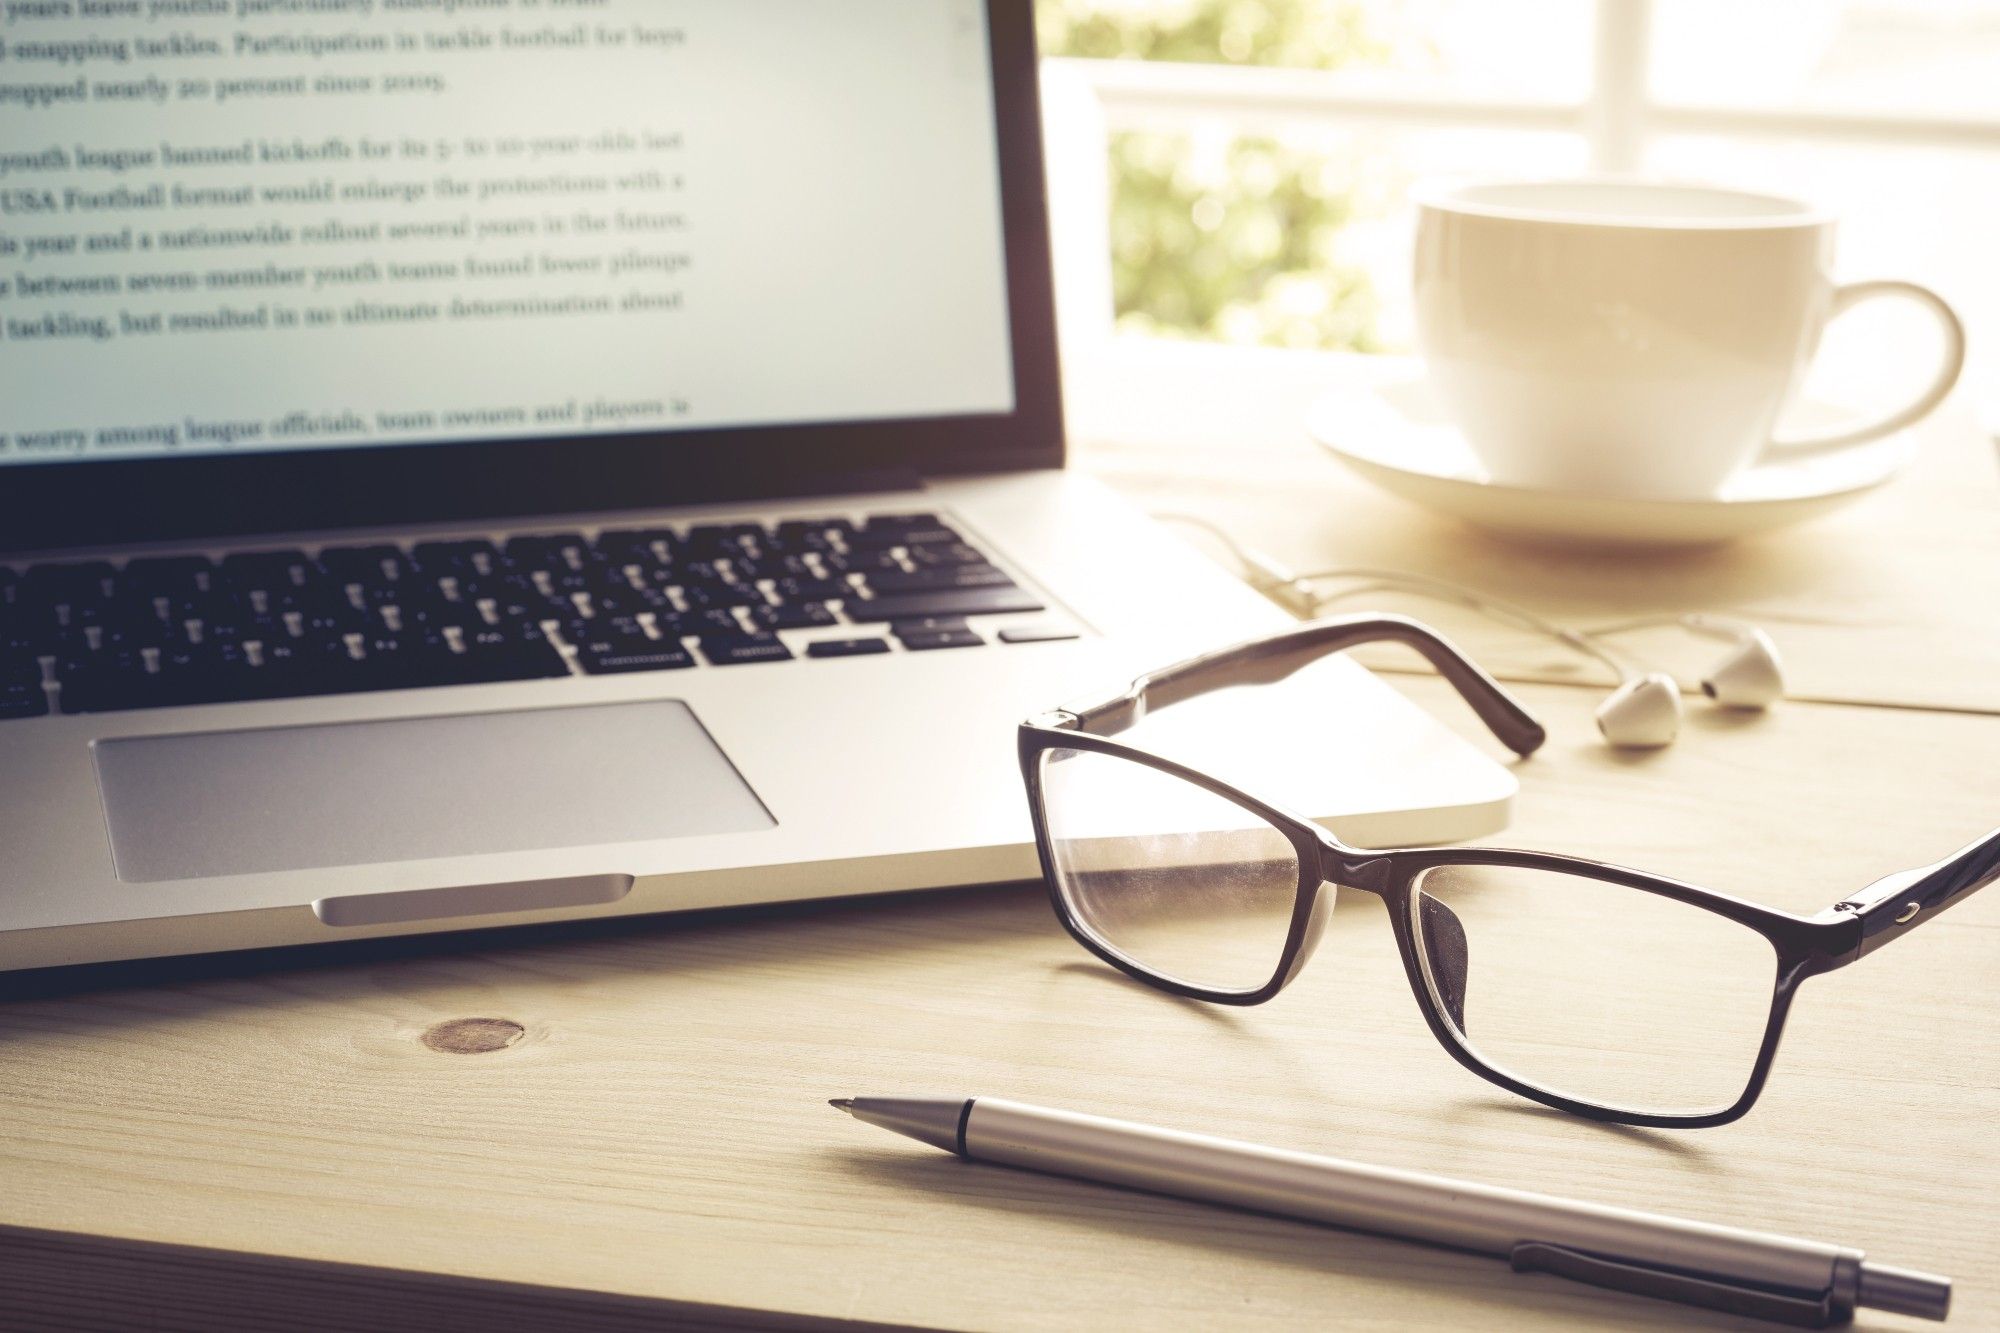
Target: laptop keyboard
column 154, row 632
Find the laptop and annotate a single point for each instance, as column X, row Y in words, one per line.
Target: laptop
column 503, row 471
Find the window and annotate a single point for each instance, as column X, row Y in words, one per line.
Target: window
column 1236, row 170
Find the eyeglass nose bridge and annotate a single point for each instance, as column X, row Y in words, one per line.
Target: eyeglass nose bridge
column 1356, row 870
column 1371, row 874
column 1443, row 942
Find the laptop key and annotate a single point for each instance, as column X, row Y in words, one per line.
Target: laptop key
column 272, row 667
column 793, row 615
column 867, row 561
column 802, row 535
column 915, row 537
column 372, row 567
column 471, row 655
column 149, row 676
column 710, row 541
column 223, row 670
column 19, row 701
column 612, row 656
column 942, row 602
column 513, row 605
column 924, row 640
column 772, row 565
column 551, row 551
column 922, row 624
column 884, row 582
column 704, row 569
column 846, row 647
column 21, row 693
column 380, row 661
column 462, row 559
column 642, row 546
column 266, row 569
column 577, row 629
column 262, row 583
column 719, row 595
column 166, row 611
column 810, row 589
column 902, row 530
column 888, row 522
column 52, row 595
column 173, row 576
column 710, row 620
column 738, row 649
column 946, row 553
column 618, row 603
column 94, row 579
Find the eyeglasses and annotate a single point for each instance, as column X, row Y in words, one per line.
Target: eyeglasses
column 1602, row 991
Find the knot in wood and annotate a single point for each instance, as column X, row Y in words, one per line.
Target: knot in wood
column 473, row 1036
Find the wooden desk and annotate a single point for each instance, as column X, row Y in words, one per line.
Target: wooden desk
column 652, row 1143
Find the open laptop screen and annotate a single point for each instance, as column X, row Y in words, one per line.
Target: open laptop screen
column 278, row 265
column 261, row 225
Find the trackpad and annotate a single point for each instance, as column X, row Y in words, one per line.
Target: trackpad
column 362, row 793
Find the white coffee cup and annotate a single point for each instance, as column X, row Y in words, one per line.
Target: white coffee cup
column 1628, row 338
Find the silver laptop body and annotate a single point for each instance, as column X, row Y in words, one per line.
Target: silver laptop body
column 683, row 715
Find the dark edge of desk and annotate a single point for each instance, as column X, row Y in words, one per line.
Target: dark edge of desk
column 64, row 1280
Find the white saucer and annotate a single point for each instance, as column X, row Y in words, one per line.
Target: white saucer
column 1396, row 435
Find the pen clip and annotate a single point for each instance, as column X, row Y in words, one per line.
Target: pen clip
column 1823, row 1311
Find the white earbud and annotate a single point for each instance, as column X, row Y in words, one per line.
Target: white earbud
column 1642, row 714
column 1751, row 675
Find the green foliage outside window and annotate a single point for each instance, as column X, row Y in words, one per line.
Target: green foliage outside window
column 1303, row 34
column 1232, row 240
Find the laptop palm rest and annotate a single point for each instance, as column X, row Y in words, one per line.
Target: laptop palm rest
column 196, row 805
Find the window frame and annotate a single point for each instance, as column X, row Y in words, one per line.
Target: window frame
column 1617, row 119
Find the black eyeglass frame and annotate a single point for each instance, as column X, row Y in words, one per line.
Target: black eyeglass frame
column 1803, row 946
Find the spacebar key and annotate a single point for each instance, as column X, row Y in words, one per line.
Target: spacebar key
column 942, row 602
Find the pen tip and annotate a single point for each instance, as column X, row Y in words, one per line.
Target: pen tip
column 841, row 1103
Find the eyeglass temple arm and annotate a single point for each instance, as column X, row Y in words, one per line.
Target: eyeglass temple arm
column 1899, row 903
column 1266, row 660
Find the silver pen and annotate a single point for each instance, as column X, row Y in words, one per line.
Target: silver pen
column 1744, row 1272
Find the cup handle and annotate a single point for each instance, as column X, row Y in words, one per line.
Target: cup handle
column 1845, row 299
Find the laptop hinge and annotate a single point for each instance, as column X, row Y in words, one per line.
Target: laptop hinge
column 848, row 482
column 882, row 479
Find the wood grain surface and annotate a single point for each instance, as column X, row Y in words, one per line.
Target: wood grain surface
column 622, row 1124
column 659, row 1131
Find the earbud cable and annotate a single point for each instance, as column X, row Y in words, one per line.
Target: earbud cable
column 1299, row 594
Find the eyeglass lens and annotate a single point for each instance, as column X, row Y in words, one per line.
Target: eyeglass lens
column 1595, row 991
column 1179, row 880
